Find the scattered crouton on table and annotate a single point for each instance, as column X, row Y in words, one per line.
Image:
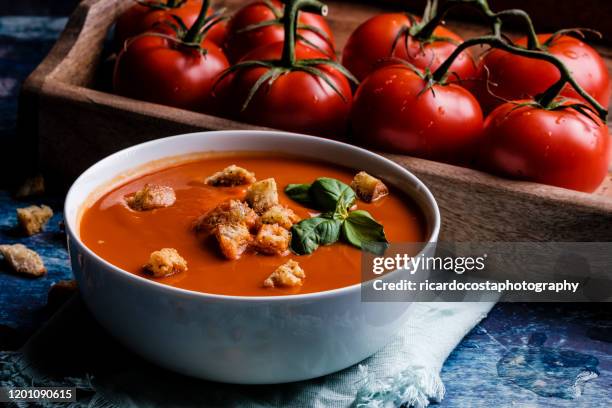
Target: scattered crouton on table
column 281, row 215
column 272, row 239
column 23, row 260
column 150, row 197
column 228, row 212
column 368, row 188
column 262, row 195
column 233, row 239
column 33, row 218
column 231, row 176
column 165, row 262
column 289, row 274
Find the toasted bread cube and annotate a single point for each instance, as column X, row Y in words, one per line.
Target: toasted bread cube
column 233, row 239
column 289, row 274
column 368, row 188
column 281, row 215
column 272, row 239
column 231, row 176
column 32, row 186
column 150, row 197
column 228, row 212
column 262, row 195
column 23, row 260
column 33, row 218
column 165, row 262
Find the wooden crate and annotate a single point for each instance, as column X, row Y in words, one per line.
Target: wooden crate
column 74, row 123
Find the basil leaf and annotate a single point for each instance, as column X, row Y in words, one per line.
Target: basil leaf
column 300, row 193
column 327, row 192
column 308, row 234
column 329, row 231
column 359, row 227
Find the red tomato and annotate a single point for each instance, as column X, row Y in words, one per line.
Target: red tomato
column 394, row 112
column 141, row 18
column 372, row 42
column 239, row 43
column 514, row 77
column 296, row 101
column 558, row 147
column 160, row 70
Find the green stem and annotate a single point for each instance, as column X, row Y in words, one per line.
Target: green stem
column 532, row 37
column 426, row 28
column 290, row 18
column 194, row 32
column 547, row 96
column 431, row 9
column 495, row 18
column 441, row 71
column 171, row 3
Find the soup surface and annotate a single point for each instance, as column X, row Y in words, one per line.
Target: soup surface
column 126, row 238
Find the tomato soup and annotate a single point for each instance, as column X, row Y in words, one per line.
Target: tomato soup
column 126, row 238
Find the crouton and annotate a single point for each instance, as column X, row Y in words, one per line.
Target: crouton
column 233, row 239
column 23, row 260
column 150, row 197
column 281, row 215
column 231, row 176
column 228, row 212
column 272, row 239
column 368, row 188
column 289, row 274
column 165, row 262
column 262, row 195
column 32, row 186
column 33, row 218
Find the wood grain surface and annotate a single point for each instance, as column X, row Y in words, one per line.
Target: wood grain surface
column 66, row 112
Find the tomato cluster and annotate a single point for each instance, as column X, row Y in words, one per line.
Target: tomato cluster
column 431, row 99
column 422, row 92
column 179, row 53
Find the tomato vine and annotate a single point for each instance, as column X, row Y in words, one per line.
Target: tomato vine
column 496, row 39
column 279, row 20
column 288, row 61
column 192, row 37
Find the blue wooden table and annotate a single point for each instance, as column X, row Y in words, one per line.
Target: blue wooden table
column 567, row 348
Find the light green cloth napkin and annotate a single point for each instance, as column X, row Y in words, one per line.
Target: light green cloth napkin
column 72, row 350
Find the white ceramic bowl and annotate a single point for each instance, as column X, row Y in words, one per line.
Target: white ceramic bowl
column 248, row 340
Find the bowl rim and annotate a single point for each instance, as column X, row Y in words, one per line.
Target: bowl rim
column 421, row 188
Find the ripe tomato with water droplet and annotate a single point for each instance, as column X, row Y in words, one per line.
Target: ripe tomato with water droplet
column 560, row 147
